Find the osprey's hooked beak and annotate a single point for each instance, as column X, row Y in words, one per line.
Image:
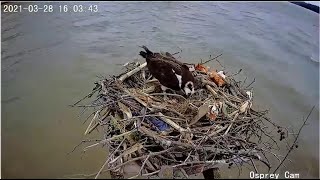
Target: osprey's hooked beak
column 185, row 94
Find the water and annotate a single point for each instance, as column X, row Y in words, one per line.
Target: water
column 50, row 60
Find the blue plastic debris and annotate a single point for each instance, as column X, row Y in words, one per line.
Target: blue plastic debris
column 156, row 122
column 162, row 126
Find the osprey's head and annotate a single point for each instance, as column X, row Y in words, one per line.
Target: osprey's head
column 188, row 88
column 187, row 81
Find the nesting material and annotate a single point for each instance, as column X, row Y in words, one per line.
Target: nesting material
column 178, row 136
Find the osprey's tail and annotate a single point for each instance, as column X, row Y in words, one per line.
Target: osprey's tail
column 143, row 54
column 146, row 54
column 147, row 50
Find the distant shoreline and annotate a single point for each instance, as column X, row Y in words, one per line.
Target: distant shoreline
column 311, row 7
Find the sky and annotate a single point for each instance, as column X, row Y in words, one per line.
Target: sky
column 317, row 3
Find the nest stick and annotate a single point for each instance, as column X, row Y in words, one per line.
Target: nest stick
column 218, row 131
column 98, row 123
column 110, row 155
column 204, row 81
column 130, row 73
column 173, row 110
column 152, row 80
column 254, row 165
column 251, row 82
column 172, row 124
column 235, row 117
column 213, row 92
column 128, row 151
column 93, row 127
column 152, row 173
column 168, row 94
column 212, row 59
column 94, row 117
column 117, row 136
column 141, row 157
column 140, row 172
column 89, row 95
column 136, row 98
column 212, row 162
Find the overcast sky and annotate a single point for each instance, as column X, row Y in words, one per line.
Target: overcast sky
column 313, row 2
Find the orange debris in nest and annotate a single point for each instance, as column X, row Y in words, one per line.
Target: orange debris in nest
column 212, row 116
column 216, row 78
column 202, row 68
column 213, row 112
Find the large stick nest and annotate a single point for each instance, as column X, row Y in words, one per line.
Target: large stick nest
column 167, row 132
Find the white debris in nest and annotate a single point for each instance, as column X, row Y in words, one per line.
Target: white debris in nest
column 220, row 105
column 213, row 112
column 244, row 106
column 249, row 93
column 214, row 109
column 126, row 64
column 221, row 73
column 144, row 75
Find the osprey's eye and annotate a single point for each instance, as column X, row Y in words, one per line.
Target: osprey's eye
column 190, row 86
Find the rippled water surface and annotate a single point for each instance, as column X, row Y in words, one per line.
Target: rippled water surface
column 50, row 60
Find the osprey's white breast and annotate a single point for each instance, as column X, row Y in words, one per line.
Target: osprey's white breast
column 179, row 77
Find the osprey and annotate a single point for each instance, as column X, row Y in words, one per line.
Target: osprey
column 171, row 73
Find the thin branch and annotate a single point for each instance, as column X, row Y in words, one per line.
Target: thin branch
column 90, row 94
column 105, row 163
column 254, row 165
column 254, row 79
column 294, row 143
column 212, row 60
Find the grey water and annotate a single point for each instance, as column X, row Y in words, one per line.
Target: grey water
column 50, row 60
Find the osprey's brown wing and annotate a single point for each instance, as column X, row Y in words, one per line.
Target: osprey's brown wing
column 169, row 63
column 165, row 72
column 167, row 57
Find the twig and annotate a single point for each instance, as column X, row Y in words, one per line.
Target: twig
column 150, row 115
column 184, row 173
column 235, row 73
column 213, row 92
column 235, row 117
column 216, row 132
column 254, row 79
column 90, row 94
column 168, row 94
column 177, row 52
column 244, row 81
column 140, row 172
column 94, row 117
column 110, row 139
column 83, row 141
column 254, row 165
column 128, row 151
column 110, row 155
column 294, row 143
column 141, row 157
column 212, row 59
column 152, row 173
column 211, row 162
